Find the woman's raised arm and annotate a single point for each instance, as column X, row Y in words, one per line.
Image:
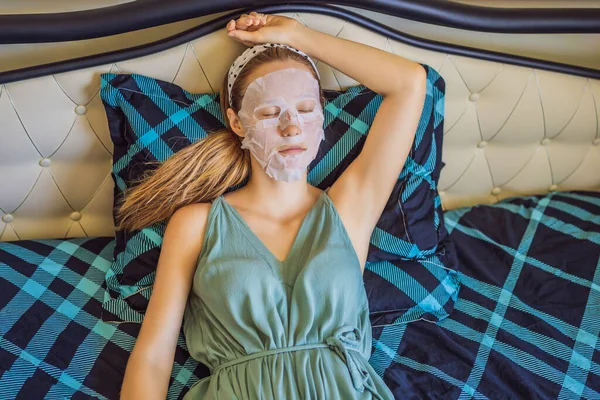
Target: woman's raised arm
column 361, row 192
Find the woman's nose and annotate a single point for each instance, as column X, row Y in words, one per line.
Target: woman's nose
column 291, row 130
column 290, row 126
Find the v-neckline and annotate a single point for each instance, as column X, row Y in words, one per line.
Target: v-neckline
column 260, row 246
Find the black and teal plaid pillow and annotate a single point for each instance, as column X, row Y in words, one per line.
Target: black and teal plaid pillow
column 411, row 267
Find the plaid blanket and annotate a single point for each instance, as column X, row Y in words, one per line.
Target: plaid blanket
column 527, row 320
column 525, row 326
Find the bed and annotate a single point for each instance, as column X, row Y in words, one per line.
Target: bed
column 520, row 188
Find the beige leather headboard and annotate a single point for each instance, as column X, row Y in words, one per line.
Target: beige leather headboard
column 509, row 130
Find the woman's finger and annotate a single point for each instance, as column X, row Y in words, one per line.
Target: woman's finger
column 245, row 42
column 248, row 22
column 245, row 36
column 230, row 25
column 259, row 23
column 244, row 18
column 241, row 24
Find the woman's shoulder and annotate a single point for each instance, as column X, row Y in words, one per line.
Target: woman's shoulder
column 193, row 211
column 190, row 220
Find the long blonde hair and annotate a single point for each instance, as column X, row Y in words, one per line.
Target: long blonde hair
column 201, row 171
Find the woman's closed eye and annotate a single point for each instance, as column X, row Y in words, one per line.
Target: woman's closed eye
column 305, row 106
column 267, row 112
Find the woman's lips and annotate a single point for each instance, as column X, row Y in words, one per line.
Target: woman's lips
column 292, row 151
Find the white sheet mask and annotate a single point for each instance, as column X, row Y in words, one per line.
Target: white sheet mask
column 271, row 103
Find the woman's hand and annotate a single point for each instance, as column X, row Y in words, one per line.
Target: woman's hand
column 255, row 28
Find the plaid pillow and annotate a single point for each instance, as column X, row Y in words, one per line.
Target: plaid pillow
column 411, row 266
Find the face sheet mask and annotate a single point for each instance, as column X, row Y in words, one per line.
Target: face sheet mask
column 271, row 103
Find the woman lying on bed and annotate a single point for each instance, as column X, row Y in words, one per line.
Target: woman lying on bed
column 267, row 279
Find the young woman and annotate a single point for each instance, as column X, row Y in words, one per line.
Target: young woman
column 267, row 279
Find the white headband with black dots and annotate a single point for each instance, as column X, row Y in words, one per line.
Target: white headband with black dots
column 249, row 53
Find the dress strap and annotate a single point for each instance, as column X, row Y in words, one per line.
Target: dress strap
column 210, row 222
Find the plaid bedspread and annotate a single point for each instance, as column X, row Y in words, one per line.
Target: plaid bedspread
column 525, row 326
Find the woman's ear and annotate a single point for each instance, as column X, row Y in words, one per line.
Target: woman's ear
column 235, row 123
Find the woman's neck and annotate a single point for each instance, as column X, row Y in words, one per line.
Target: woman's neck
column 280, row 198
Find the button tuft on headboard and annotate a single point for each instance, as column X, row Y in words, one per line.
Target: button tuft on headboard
column 474, row 97
column 80, row 110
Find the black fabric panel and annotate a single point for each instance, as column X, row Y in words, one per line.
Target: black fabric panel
column 219, row 23
column 87, row 24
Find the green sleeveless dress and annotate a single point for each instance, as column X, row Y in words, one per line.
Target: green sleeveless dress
column 297, row 329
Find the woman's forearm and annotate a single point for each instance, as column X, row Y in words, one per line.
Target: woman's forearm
column 379, row 70
column 144, row 380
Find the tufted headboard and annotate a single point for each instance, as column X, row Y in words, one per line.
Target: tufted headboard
column 513, row 125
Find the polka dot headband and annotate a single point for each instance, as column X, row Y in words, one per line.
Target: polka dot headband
column 249, row 53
